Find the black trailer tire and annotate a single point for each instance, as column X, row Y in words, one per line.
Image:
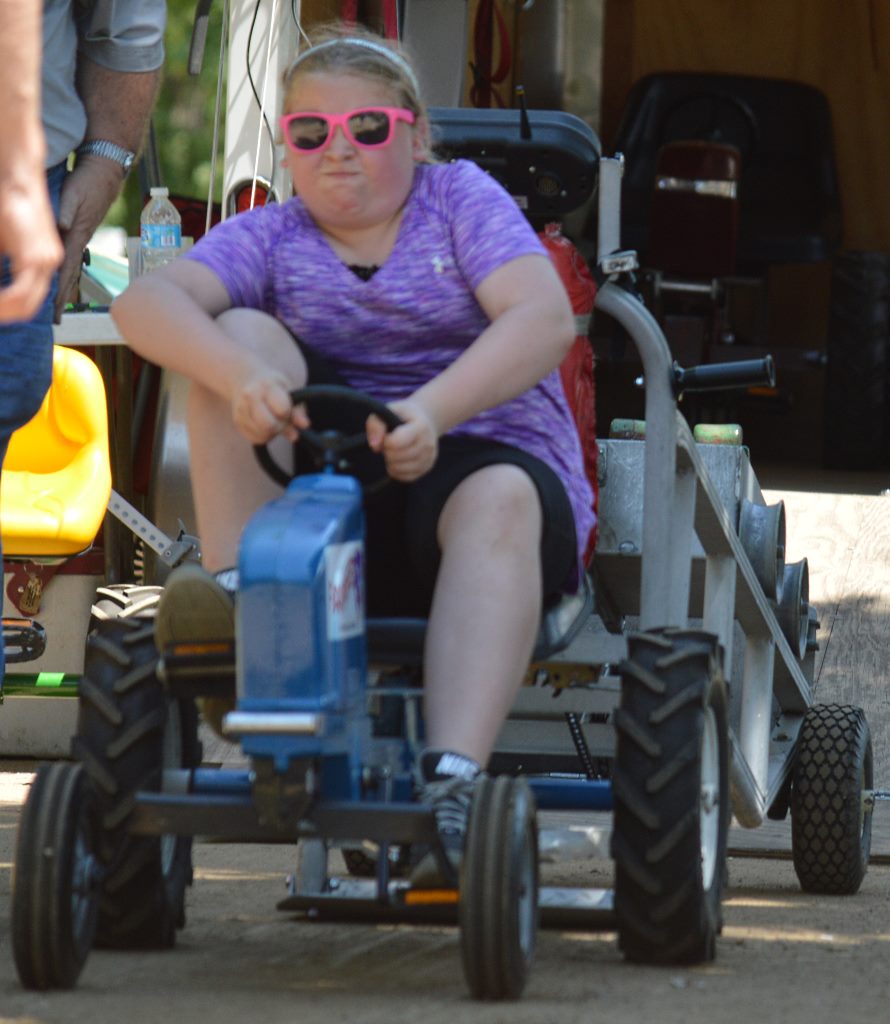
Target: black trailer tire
column 128, row 731
column 55, row 889
column 830, row 824
column 856, row 376
column 671, row 798
column 498, row 907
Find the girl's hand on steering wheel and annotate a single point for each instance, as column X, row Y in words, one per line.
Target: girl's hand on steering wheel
column 411, row 449
column 262, row 409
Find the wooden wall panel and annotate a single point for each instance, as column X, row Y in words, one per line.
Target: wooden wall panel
column 841, row 48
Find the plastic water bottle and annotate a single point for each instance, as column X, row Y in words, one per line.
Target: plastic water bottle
column 160, row 236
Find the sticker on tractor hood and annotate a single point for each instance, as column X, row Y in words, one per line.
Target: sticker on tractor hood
column 345, row 589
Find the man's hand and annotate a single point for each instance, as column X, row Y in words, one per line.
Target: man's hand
column 411, row 449
column 87, row 194
column 28, row 237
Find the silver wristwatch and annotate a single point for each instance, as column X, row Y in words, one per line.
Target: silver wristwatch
column 110, row 150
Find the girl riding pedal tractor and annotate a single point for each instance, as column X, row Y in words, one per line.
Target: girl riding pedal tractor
column 422, row 284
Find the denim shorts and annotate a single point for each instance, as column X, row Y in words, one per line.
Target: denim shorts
column 26, row 347
column 26, row 351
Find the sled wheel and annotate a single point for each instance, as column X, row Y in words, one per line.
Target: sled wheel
column 671, row 796
column 128, row 732
column 498, row 908
column 830, row 825
column 55, row 891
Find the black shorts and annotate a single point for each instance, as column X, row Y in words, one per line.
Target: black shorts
column 402, row 551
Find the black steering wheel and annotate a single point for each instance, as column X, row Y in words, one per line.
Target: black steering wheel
column 330, row 446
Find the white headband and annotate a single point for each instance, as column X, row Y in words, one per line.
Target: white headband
column 368, row 44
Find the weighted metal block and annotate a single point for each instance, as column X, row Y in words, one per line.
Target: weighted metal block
column 762, row 533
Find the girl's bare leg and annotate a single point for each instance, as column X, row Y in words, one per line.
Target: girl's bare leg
column 228, row 483
column 486, row 609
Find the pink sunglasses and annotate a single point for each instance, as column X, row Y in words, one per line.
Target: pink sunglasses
column 366, row 128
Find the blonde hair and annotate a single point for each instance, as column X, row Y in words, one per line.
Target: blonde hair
column 349, row 49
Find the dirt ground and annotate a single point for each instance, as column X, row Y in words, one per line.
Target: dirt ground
column 783, row 956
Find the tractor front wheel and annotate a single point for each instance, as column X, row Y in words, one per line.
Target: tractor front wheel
column 55, row 890
column 498, row 908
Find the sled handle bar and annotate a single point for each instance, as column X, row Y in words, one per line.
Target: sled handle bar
column 715, row 376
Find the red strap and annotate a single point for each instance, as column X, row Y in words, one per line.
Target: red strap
column 390, row 19
column 349, row 11
column 488, row 14
column 506, row 54
column 480, row 94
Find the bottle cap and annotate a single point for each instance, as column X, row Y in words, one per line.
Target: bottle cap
column 160, row 190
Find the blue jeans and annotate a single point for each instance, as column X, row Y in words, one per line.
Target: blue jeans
column 26, row 353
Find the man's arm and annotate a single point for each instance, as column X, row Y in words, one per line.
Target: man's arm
column 27, row 233
column 118, row 106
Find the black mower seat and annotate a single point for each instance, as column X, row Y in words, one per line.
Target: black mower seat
column 790, row 208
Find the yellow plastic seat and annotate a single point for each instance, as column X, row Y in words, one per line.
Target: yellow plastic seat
column 56, row 478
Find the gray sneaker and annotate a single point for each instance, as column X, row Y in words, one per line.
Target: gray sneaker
column 194, row 608
column 450, row 799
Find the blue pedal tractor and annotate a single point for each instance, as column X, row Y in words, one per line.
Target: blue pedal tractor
column 683, row 671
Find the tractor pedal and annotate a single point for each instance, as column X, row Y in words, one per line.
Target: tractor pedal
column 23, row 640
column 199, row 669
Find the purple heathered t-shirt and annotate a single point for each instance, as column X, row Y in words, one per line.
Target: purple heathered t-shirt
column 393, row 333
